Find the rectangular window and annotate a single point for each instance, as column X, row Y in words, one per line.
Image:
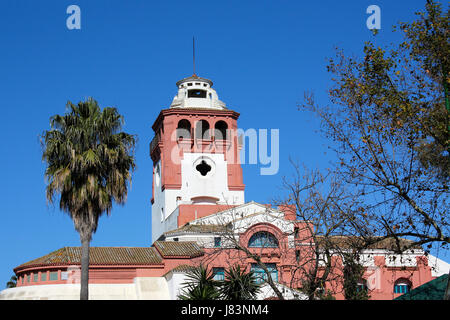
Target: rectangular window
column 219, row 274
column 54, row 276
column 44, row 276
column 28, row 278
column 217, row 242
column 64, row 275
column 261, row 275
column 35, row 277
column 196, row 93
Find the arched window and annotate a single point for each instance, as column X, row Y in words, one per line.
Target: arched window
column 220, row 130
column 402, row 286
column 263, row 239
column 184, row 129
column 202, row 130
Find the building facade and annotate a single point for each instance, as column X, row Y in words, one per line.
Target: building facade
column 199, row 216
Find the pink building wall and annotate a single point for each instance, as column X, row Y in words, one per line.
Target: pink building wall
column 380, row 278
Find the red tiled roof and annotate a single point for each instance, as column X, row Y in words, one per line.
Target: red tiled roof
column 182, row 268
column 189, row 249
column 198, row 228
column 98, row 256
column 345, row 242
column 118, row 255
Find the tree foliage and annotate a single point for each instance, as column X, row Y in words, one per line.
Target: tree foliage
column 200, row 285
column 237, row 285
column 389, row 129
column 89, row 164
column 12, row 283
column 354, row 285
column 320, row 202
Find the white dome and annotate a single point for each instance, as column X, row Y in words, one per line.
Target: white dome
column 196, row 92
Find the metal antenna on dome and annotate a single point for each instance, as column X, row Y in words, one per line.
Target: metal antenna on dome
column 193, row 55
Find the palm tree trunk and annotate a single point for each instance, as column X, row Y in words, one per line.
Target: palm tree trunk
column 84, row 292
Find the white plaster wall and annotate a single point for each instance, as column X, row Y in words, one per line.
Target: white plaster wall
column 211, row 101
column 245, row 216
column 288, row 293
column 438, row 267
column 158, row 203
column 151, row 288
column 175, row 283
column 143, row 288
column 214, row 184
column 232, row 214
column 404, row 260
column 367, row 260
column 164, row 199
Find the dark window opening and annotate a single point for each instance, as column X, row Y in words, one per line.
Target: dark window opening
column 217, row 242
column 184, row 129
column 220, row 130
column 362, row 286
column 203, row 168
column 202, row 130
column 402, row 286
column 196, row 93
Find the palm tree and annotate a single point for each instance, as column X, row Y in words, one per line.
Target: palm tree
column 12, row 283
column 239, row 285
column 89, row 163
column 200, row 285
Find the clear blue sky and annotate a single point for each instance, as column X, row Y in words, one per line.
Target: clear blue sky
column 261, row 55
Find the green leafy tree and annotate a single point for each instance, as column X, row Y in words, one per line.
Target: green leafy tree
column 353, row 283
column 89, row 164
column 239, row 285
column 389, row 129
column 428, row 47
